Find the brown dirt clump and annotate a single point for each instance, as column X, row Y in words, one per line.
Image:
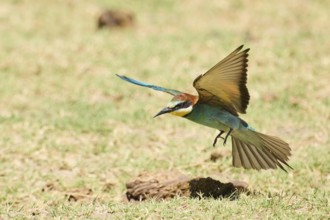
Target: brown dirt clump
column 168, row 184
column 115, row 18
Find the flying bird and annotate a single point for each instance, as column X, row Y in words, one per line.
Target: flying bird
column 222, row 95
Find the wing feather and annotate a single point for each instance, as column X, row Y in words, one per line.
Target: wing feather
column 224, row 85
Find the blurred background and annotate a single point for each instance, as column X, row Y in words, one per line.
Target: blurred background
column 70, row 127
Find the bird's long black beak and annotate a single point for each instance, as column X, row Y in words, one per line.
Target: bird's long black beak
column 163, row 111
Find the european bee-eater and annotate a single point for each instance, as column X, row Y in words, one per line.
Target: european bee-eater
column 222, row 94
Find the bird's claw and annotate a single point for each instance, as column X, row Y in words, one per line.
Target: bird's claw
column 216, row 138
column 224, row 139
column 227, row 135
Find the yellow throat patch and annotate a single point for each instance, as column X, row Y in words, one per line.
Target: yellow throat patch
column 182, row 112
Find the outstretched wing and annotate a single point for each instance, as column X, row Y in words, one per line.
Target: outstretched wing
column 224, row 85
column 158, row 88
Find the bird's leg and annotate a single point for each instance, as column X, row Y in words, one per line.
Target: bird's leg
column 229, row 132
column 218, row 136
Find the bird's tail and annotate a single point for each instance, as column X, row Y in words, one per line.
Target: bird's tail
column 266, row 153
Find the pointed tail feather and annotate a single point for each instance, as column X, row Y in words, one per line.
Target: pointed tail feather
column 270, row 153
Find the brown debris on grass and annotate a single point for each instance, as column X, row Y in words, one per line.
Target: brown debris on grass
column 160, row 185
column 115, row 18
column 48, row 187
column 269, row 97
column 168, row 184
column 216, row 156
column 108, row 187
column 74, row 194
column 79, row 194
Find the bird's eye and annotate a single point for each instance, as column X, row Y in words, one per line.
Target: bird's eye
column 178, row 106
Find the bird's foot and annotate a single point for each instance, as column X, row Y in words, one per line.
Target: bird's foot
column 227, row 135
column 218, row 136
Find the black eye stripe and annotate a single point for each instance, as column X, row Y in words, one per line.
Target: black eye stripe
column 182, row 105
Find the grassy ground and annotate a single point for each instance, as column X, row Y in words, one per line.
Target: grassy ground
column 68, row 125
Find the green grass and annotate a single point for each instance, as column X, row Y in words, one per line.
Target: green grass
column 66, row 120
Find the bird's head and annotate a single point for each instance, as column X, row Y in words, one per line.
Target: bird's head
column 181, row 105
